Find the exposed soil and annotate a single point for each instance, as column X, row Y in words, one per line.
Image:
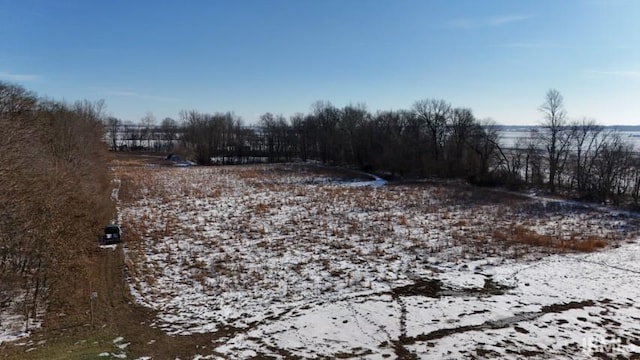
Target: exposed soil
column 132, row 321
column 498, row 324
column 116, row 313
column 433, row 288
column 428, row 287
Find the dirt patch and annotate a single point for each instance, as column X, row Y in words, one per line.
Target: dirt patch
column 426, row 287
column 558, row 308
column 487, row 353
column 433, row 288
column 116, row 314
column 496, row 324
column 115, row 309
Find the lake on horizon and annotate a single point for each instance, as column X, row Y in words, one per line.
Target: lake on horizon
column 509, row 135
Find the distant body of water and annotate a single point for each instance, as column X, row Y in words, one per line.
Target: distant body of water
column 509, row 135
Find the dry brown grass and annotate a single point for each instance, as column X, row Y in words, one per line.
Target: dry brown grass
column 460, row 223
column 252, row 172
column 521, row 235
column 590, row 244
column 261, row 208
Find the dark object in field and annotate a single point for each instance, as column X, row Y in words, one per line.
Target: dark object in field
column 111, row 235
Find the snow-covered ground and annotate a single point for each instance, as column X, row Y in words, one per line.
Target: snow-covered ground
column 561, row 307
column 13, row 323
column 287, row 261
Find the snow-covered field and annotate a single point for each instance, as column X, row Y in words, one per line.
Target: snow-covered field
column 286, row 260
column 14, row 325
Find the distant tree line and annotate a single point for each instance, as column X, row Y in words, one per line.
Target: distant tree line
column 54, row 198
column 431, row 139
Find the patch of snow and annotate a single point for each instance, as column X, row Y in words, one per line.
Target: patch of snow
column 13, row 324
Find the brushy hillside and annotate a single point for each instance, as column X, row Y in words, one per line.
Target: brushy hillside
column 55, row 191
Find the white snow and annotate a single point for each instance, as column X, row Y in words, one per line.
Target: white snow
column 13, row 323
column 371, row 322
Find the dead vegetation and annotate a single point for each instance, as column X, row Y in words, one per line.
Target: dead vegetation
column 519, row 234
column 260, row 234
column 55, row 189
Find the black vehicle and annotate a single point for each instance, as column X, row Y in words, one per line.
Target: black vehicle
column 111, row 235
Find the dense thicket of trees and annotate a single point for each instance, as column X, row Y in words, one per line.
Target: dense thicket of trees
column 54, row 197
column 432, row 139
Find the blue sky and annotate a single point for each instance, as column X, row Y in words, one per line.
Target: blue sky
column 497, row 57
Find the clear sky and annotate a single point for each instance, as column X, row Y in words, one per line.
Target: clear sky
column 497, row 57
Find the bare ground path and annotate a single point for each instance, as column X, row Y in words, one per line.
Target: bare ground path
column 115, row 315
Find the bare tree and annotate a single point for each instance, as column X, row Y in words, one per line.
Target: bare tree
column 393, row 146
column 483, row 137
column 169, row 132
column 131, row 135
column 556, row 135
column 463, row 126
column 113, row 130
column 326, row 117
column 353, row 119
column 269, row 126
column 435, row 115
column 515, row 159
column 611, row 167
column 635, row 180
column 197, row 136
column 147, row 124
column 15, row 100
column 588, row 135
column 303, row 134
